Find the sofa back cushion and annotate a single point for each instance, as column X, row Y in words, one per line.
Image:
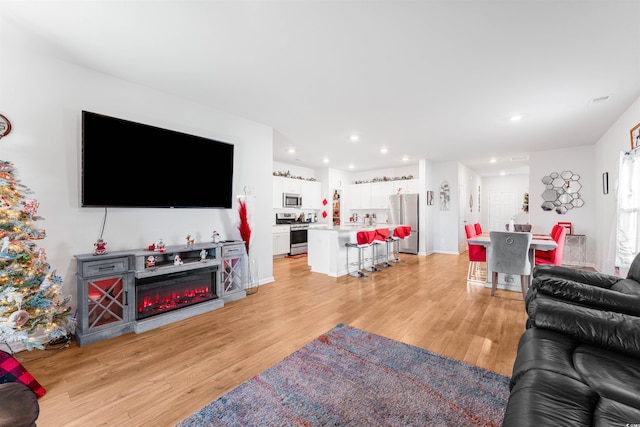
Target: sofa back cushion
column 627, row 286
column 634, row 270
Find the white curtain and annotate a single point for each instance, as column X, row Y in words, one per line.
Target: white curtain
column 628, row 232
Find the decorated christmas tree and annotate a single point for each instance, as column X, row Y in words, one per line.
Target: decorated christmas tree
column 32, row 311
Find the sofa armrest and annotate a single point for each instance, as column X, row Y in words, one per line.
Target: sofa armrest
column 584, row 294
column 611, row 330
column 600, row 280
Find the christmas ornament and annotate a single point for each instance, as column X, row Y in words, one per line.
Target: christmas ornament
column 46, row 284
column 177, row 260
column 151, row 261
column 100, row 247
column 42, row 255
column 31, row 207
column 18, row 318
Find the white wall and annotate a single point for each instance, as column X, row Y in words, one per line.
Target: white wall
column 607, row 153
column 581, row 161
column 446, row 223
column 44, row 97
column 470, row 180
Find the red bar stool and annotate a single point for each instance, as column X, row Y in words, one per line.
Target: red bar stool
column 381, row 238
column 363, row 241
column 398, row 234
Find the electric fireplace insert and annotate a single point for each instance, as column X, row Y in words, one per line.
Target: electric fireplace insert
column 167, row 292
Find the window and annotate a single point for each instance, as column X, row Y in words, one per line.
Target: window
column 627, row 231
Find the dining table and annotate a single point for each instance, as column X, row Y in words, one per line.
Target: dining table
column 542, row 242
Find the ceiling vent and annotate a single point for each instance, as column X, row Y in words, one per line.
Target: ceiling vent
column 519, row 158
column 600, row 99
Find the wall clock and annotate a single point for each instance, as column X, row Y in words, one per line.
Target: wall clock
column 5, row 126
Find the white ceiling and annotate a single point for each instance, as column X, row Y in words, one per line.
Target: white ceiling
column 437, row 80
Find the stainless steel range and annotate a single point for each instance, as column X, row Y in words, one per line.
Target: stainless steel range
column 298, row 233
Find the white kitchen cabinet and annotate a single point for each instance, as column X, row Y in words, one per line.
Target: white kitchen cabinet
column 291, row 185
column 281, row 240
column 360, row 195
column 310, row 191
column 380, row 192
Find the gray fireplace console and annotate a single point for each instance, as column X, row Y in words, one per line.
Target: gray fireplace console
column 108, row 291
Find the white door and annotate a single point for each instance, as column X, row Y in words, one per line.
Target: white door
column 502, row 207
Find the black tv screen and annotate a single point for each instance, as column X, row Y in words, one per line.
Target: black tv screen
column 128, row 164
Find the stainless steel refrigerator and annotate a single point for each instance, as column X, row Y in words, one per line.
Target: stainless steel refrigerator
column 404, row 211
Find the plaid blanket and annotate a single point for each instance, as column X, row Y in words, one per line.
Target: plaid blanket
column 12, row 371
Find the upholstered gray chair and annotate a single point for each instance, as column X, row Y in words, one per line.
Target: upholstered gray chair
column 510, row 255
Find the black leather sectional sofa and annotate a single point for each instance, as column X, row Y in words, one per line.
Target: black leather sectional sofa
column 578, row 362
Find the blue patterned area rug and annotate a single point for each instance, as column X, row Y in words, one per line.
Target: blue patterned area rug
column 349, row 377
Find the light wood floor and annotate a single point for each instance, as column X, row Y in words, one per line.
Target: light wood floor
column 162, row 376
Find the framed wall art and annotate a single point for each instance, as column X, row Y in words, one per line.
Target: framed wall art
column 429, row 198
column 635, row 136
column 445, row 197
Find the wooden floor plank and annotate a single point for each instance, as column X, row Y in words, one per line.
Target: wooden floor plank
column 164, row 375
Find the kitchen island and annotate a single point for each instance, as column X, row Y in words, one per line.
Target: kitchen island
column 327, row 253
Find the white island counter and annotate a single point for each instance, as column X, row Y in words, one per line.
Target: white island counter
column 327, row 253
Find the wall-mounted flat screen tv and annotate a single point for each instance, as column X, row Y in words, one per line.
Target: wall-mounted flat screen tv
column 128, row 164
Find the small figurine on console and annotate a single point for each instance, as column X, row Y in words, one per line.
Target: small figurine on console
column 160, row 246
column 100, row 247
column 151, row 261
column 190, row 241
column 215, row 236
column 177, row 260
column 203, row 255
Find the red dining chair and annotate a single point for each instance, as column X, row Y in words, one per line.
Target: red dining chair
column 478, row 228
column 554, row 256
column 477, row 254
column 554, row 236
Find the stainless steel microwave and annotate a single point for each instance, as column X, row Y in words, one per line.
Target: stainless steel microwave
column 290, row 200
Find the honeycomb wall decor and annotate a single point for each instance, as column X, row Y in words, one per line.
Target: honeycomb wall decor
column 562, row 192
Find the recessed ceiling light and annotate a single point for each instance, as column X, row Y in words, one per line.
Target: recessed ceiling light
column 325, row 160
column 502, row 173
column 405, row 158
column 516, row 117
column 493, row 160
column 384, row 150
column 354, row 137
column 351, row 166
column 291, row 150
